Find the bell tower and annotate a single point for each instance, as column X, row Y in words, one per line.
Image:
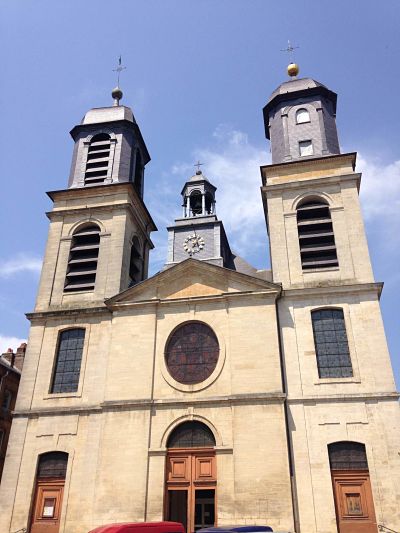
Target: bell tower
column 310, row 190
column 199, row 234
column 335, row 360
column 99, row 236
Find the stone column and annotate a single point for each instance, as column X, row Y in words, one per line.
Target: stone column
column 203, row 204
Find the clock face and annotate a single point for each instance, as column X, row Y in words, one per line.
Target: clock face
column 193, row 244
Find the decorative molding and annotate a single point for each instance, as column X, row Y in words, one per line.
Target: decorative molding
column 147, row 403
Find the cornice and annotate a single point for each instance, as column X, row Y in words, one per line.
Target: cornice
column 147, row 403
column 67, row 312
column 304, row 183
column 192, row 299
column 348, row 397
column 343, row 288
column 102, row 191
column 315, row 161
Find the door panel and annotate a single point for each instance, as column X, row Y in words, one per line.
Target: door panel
column 178, row 506
column 47, row 506
column 353, row 501
column 204, row 515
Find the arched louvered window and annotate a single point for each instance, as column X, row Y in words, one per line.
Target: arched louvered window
column 347, row 455
column 316, row 238
column 136, row 262
column 302, row 115
column 52, row 465
column 191, row 434
column 68, row 361
column 98, row 159
column 331, row 345
column 82, row 262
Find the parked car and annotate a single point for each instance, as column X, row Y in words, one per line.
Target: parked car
column 141, row 527
column 236, row 529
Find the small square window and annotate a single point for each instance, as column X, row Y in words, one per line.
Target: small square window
column 305, row 148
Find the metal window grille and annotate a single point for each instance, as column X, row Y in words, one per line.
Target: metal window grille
column 192, row 353
column 98, row 159
column 68, row 362
column 316, row 238
column 331, row 345
column 347, row 456
column 191, row 435
column 82, row 262
column 53, row 464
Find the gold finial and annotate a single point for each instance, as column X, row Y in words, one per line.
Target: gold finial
column 293, row 68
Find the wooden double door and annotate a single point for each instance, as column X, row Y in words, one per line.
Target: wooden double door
column 353, row 501
column 191, row 488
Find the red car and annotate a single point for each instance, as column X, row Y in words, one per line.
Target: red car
column 141, row 527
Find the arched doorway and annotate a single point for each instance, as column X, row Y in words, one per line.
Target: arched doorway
column 49, row 488
column 191, row 477
column 354, row 504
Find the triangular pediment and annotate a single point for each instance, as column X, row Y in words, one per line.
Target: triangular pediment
column 192, row 279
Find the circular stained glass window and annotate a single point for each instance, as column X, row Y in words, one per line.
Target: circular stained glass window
column 192, row 353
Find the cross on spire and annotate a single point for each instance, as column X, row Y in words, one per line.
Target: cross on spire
column 198, row 165
column 119, row 69
column 289, row 50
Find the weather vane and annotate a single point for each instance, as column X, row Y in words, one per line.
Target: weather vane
column 119, row 69
column 198, row 165
column 289, row 50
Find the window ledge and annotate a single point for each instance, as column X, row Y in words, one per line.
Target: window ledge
column 57, row 395
column 322, row 269
column 329, row 381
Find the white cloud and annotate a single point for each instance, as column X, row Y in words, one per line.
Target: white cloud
column 20, row 263
column 380, row 189
column 9, row 342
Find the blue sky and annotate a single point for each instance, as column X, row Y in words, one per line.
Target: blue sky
column 198, row 74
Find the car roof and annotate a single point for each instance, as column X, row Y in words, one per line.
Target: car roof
column 136, row 527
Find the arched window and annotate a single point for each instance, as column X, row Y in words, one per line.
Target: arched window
column 68, row 361
column 347, row 455
column 331, row 345
column 209, row 201
column 196, row 206
column 316, row 238
column 98, row 159
column 191, row 434
column 52, row 465
column 82, row 262
column 192, row 353
column 136, row 262
column 302, row 115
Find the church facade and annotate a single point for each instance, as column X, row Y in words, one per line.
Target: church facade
column 211, row 392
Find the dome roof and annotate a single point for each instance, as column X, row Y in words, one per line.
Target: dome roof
column 108, row 114
column 199, row 176
column 292, row 86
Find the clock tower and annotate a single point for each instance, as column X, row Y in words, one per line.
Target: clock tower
column 198, row 233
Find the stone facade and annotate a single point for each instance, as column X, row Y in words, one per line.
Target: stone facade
column 272, row 417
